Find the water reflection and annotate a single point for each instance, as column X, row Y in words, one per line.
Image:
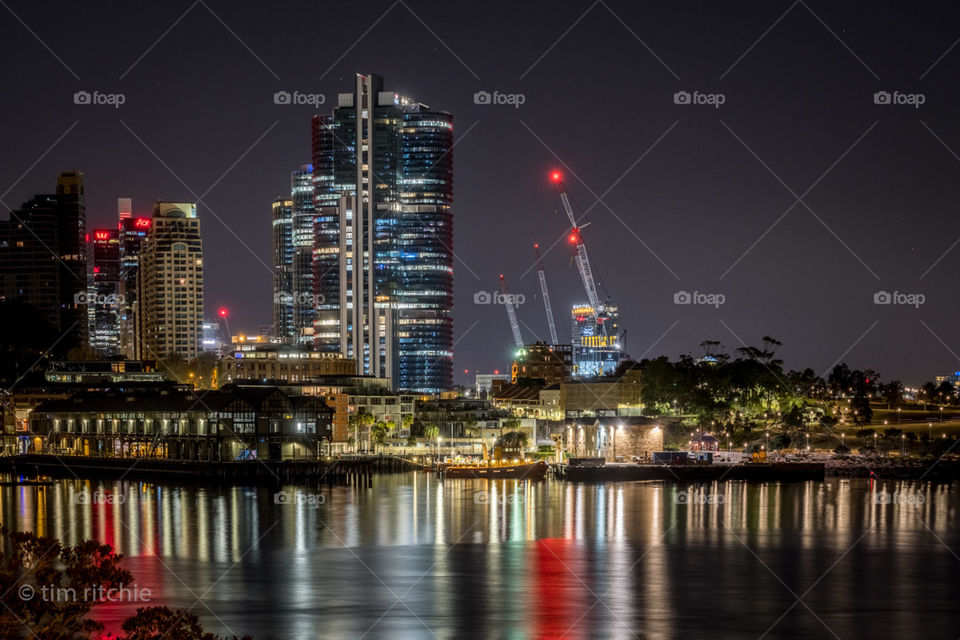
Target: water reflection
column 415, row 557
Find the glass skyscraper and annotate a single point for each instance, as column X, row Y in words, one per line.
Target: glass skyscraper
column 283, row 252
column 383, row 237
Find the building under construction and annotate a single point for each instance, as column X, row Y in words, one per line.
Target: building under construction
column 594, row 340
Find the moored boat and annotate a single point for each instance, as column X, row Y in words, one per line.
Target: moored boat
column 516, row 471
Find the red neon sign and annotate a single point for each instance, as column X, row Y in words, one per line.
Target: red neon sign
column 143, row 223
column 101, row 235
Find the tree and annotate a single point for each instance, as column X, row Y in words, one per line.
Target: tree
column 63, row 582
column 513, row 441
column 431, row 430
column 892, row 392
column 154, row 623
column 378, row 433
column 780, row 441
column 470, row 429
column 860, row 407
column 360, row 424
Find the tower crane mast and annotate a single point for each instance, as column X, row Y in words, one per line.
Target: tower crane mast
column 583, row 262
column 546, row 296
column 511, row 312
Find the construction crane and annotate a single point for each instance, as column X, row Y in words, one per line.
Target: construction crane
column 583, row 262
column 546, row 296
column 511, row 312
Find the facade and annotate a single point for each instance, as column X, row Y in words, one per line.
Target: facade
column 43, row 258
column 170, row 284
column 102, row 372
column 106, row 305
column 349, row 395
column 603, row 397
column 232, row 423
column 283, row 252
column 531, row 401
column 383, row 259
column 595, row 340
column 484, row 382
column 550, row 362
column 303, row 216
column 280, row 363
column 615, row 439
column 133, row 231
column 124, row 208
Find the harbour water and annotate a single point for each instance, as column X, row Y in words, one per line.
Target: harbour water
column 416, row 557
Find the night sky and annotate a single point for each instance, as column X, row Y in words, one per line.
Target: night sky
column 694, row 198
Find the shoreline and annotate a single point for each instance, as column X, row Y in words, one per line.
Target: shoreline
column 360, row 470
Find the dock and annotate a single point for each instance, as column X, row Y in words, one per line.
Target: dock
column 357, row 469
column 754, row 472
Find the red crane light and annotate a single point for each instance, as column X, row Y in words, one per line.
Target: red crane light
column 556, row 176
column 573, row 238
column 223, row 312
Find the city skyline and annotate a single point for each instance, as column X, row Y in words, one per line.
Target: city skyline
column 709, row 191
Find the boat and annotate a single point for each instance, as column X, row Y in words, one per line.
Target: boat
column 525, row 470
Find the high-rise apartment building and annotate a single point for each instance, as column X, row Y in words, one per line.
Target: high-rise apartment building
column 383, row 236
column 133, row 231
column 170, row 284
column 106, row 303
column 303, row 216
column 283, row 253
column 43, row 260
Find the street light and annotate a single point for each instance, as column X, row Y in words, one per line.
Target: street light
column 903, row 444
column 898, row 415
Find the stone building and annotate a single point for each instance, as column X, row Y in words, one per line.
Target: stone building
column 615, row 439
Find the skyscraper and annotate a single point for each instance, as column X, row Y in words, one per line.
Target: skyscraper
column 124, row 208
column 133, row 231
column 106, row 303
column 283, row 252
column 43, row 259
column 170, row 284
column 383, row 257
column 303, row 216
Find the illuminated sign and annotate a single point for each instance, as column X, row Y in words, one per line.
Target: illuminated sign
column 143, row 223
column 101, row 235
column 597, row 341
